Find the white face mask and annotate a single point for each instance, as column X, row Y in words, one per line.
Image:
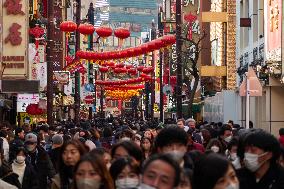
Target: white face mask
column 251, row 161
column 126, row 183
column 87, row 183
column 228, row 139
column 20, row 159
column 233, row 156
column 176, row 155
column 125, row 139
column 146, row 186
column 233, row 186
column 186, row 128
column 237, row 164
column 215, row 149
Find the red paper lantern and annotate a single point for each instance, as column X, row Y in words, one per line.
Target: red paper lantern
column 169, row 39
column 117, row 70
column 104, row 31
column 144, row 48
column 119, row 65
column 121, row 33
column 103, row 69
column 148, row 70
column 68, row 26
column 86, row 29
column 159, row 44
column 123, row 70
column 129, row 66
column 132, row 71
column 151, row 46
column 140, row 68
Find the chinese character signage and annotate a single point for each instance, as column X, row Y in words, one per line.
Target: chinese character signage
column 23, row 100
column 273, row 29
column 14, row 38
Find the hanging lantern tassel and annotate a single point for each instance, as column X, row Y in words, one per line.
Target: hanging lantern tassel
column 120, row 42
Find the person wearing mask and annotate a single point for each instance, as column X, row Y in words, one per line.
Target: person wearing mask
column 225, row 136
column 27, row 176
column 70, row 154
column 191, row 123
column 214, row 171
column 39, row 159
column 91, row 173
column 173, row 141
column 231, row 153
column 54, row 153
column 215, row 146
column 125, row 173
column 146, row 146
column 18, row 141
column 261, row 167
column 127, row 148
column 160, row 171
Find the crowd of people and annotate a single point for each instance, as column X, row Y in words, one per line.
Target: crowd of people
column 124, row 153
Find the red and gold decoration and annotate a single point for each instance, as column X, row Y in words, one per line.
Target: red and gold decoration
column 122, row 94
column 37, row 32
column 33, row 109
column 86, row 29
column 121, row 34
column 68, row 26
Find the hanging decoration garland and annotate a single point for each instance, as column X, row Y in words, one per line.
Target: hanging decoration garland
column 122, row 94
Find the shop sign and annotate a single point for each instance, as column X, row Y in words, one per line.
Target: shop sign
column 273, row 29
column 23, row 100
column 61, row 77
column 14, row 38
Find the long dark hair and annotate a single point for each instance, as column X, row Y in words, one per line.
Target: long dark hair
column 119, row 164
column 99, row 166
column 66, row 172
column 208, row 170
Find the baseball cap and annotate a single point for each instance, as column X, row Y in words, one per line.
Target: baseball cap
column 31, row 138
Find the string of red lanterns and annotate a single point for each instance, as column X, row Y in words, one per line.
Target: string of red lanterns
column 156, row 44
column 145, row 78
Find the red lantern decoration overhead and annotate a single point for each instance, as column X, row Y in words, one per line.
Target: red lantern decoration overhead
column 119, row 65
column 104, row 31
column 121, row 33
column 132, row 71
column 103, row 69
column 68, row 26
column 86, row 29
column 148, row 70
column 140, row 68
column 129, row 66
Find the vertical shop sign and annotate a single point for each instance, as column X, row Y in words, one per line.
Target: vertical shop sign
column 14, row 38
column 273, row 29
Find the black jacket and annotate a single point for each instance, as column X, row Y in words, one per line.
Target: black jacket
column 30, row 180
column 43, row 167
column 13, row 146
column 273, row 179
column 54, row 155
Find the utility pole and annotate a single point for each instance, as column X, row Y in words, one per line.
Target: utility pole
column 147, row 86
column 77, row 74
column 179, row 60
column 160, row 27
column 91, row 20
column 49, row 55
column 153, row 36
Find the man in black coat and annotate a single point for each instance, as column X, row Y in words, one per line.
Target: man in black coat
column 40, row 160
column 261, row 169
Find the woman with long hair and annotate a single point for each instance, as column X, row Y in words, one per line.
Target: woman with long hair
column 91, row 173
column 70, row 154
column 146, row 146
column 125, row 173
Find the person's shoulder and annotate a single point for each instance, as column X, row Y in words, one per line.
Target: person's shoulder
column 5, row 185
